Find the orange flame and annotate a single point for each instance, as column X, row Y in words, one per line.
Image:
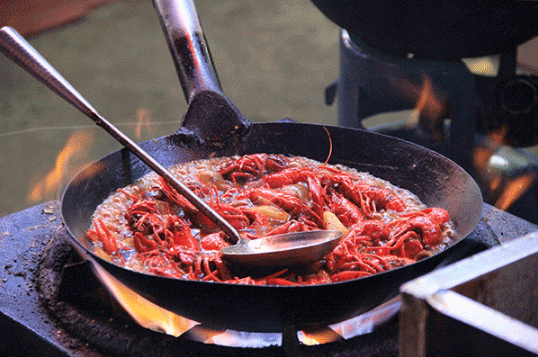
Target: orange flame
column 143, row 311
column 481, row 156
column 430, row 111
column 78, row 143
column 426, row 100
column 428, row 105
column 504, row 188
column 514, row 189
column 143, row 119
column 153, row 317
column 498, row 135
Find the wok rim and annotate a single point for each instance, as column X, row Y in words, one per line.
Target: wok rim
column 459, row 237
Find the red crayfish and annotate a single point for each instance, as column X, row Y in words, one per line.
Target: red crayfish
column 266, row 194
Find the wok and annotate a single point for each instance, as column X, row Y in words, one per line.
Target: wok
column 213, row 127
column 437, row 30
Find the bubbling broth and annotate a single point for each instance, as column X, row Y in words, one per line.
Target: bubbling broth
column 149, row 227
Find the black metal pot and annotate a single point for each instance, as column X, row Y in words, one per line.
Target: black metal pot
column 440, row 29
column 212, row 126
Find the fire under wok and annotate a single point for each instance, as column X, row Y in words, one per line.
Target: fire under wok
column 213, row 127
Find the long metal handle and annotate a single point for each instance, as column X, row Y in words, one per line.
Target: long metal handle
column 16, row 48
column 188, row 46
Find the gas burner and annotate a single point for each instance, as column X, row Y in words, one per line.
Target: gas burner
column 73, row 295
column 51, row 302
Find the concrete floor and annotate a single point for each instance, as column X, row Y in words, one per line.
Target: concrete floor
column 274, row 59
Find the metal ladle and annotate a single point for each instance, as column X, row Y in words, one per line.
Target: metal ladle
column 300, row 248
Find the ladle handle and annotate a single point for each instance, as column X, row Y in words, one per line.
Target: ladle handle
column 16, row 48
column 188, row 46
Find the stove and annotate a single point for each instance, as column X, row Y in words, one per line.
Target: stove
column 474, row 118
column 51, row 302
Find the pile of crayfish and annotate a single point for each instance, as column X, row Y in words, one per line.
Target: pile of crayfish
column 262, row 195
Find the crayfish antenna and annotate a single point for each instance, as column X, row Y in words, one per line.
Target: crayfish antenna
column 330, row 146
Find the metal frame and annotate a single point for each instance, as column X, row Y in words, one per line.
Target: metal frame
column 485, row 305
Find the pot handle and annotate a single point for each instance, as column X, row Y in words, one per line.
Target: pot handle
column 188, row 46
column 211, row 116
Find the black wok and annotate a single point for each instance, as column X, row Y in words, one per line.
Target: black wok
column 212, row 127
column 438, row 30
